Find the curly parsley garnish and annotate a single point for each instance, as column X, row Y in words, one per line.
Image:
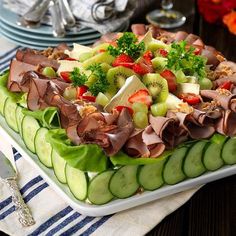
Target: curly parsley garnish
column 79, row 78
column 101, row 83
column 180, row 57
column 127, row 44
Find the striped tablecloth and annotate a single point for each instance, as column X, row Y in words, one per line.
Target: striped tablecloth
column 54, row 216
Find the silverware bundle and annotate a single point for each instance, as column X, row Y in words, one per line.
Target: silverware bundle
column 60, row 11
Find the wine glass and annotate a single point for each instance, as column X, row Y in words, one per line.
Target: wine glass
column 166, row 17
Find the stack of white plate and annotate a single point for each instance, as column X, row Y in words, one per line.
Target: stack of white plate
column 42, row 37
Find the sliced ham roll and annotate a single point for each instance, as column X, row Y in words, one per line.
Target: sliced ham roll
column 18, row 69
column 227, row 101
column 194, row 130
column 227, row 125
column 30, row 57
column 145, row 143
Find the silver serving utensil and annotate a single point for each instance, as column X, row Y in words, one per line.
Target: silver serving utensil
column 28, row 24
column 66, row 14
column 57, row 24
column 37, row 11
column 9, row 176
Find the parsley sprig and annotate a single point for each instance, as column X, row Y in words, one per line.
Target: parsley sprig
column 101, row 83
column 79, row 78
column 180, row 57
column 127, row 44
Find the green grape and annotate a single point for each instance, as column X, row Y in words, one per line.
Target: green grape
column 140, row 119
column 159, row 109
column 70, row 93
column 180, row 77
column 138, row 106
column 48, row 71
column 205, row 84
column 102, row 99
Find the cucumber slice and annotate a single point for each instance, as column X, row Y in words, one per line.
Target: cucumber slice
column 229, row 151
column 59, row 165
column 123, row 182
column 193, row 165
column 173, row 172
column 98, row 190
column 9, row 112
column 212, row 157
column 30, row 127
column 19, row 118
column 42, row 148
column 77, row 181
column 150, row 176
column 3, row 98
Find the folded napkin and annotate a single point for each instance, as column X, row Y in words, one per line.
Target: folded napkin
column 104, row 16
column 54, row 216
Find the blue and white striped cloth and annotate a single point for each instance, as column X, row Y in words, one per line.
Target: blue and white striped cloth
column 54, row 216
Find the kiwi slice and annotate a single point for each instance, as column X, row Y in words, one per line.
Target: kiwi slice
column 99, row 58
column 116, row 77
column 91, row 78
column 159, row 63
column 105, row 67
column 102, row 46
column 154, row 45
column 157, row 86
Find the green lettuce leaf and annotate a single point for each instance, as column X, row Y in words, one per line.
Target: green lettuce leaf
column 5, row 93
column 86, row 157
column 123, row 159
column 48, row 117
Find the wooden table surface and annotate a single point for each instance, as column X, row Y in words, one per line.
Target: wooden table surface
column 212, row 210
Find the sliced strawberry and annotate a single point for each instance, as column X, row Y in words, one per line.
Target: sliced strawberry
column 123, row 60
column 171, row 80
column 142, row 96
column 226, row 85
column 66, row 76
column 81, row 90
column 88, row 98
column 190, row 98
column 141, row 68
column 120, row 108
column 148, row 56
column 163, row 52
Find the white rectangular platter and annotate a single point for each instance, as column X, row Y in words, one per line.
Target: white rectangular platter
column 115, row 205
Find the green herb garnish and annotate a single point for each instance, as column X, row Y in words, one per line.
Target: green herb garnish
column 78, row 78
column 127, row 44
column 101, row 83
column 182, row 58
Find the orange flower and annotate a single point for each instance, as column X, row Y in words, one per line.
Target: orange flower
column 230, row 21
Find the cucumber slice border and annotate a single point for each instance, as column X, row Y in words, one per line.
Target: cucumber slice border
column 186, row 157
column 38, row 148
column 94, row 179
column 86, row 179
column 9, row 114
column 170, row 159
column 26, row 140
column 150, row 168
column 131, row 193
column 227, row 162
column 53, row 158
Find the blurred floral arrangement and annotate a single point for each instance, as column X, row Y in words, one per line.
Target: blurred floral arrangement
column 215, row 11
